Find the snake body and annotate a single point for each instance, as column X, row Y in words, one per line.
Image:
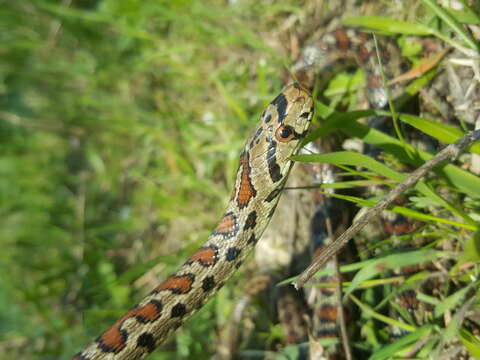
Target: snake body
column 264, row 167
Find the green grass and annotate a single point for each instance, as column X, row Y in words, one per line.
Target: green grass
column 120, row 127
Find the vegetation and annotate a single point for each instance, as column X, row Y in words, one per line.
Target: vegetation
column 120, row 126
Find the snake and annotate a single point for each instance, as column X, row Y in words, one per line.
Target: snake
column 264, row 165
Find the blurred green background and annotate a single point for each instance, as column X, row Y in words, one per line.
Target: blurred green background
column 120, row 125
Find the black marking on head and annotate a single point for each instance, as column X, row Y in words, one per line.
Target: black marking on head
column 179, row 310
column 273, row 167
column 281, row 104
column 146, row 340
column 251, row 220
column 208, row 283
column 238, row 264
column 233, row 253
column 305, row 114
column 252, row 239
column 267, row 118
column 274, row 194
column 256, row 137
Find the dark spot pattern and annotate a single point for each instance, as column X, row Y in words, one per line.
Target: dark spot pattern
column 273, row 167
column 179, row 310
column 146, row 340
column 208, row 283
column 232, row 253
column 251, row 221
column 272, row 211
column 252, row 239
column 274, row 194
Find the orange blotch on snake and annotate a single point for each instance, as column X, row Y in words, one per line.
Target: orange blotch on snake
column 362, row 50
column 228, row 226
column 363, row 53
column 327, row 313
column 408, row 300
column 246, row 190
column 177, row 284
column 343, row 42
column 399, row 228
column 114, row 339
column 206, row 256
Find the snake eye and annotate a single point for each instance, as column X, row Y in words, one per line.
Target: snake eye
column 284, row 133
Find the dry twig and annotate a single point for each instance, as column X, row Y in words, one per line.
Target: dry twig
column 452, row 151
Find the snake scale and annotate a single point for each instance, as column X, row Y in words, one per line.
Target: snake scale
column 264, row 167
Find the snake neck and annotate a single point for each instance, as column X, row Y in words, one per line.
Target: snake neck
column 149, row 323
column 263, row 170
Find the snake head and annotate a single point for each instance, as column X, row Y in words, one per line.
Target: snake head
column 282, row 126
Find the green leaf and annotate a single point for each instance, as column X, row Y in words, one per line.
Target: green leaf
column 390, row 350
column 452, row 22
column 463, row 180
column 368, row 311
column 345, row 122
column 392, row 262
column 442, row 132
column 471, row 249
column 387, row 24
column 471, row 342
column 452, row 301
column 356, row 159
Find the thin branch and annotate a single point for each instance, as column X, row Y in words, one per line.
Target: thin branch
column 452, row 151
column 341, row 319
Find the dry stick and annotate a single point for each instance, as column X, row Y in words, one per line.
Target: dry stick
column 452, row 151
column 341, row 319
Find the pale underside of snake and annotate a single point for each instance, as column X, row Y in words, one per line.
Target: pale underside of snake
column 264, row 167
